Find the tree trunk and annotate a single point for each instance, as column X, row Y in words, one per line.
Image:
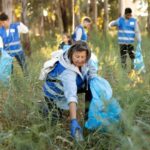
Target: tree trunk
column 59, row 16
column 7, row 7
column 105, row 16
column 94, row 12
column 64, row 8
column 88, row 7
column 77, row 11
column 25, row 37
column 0, row 5
column 24, row 12
column 73, row 15
column 42, row 25
column 148, row 19
column 121, row 7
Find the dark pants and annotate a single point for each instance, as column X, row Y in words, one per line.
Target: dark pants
column 124, row 50
column 21, row 59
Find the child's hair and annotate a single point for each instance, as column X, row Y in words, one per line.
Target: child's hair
column 87, row 19
column 69, row 38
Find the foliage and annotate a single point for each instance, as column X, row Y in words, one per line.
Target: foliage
column 22, row 126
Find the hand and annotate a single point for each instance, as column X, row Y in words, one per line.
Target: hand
column 74, row 126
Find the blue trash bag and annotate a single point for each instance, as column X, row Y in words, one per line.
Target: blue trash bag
column 5, row 67
column 104, row 110
column 94, row 61
column 66, row 47
column 138, row 61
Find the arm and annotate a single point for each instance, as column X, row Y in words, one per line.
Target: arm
column 72, row 109
column 78, row 34
column 22, row 28
column 68, row 79
column 113, row 23
column 137, row 32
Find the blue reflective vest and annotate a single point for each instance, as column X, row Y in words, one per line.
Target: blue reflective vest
column 53, row 87
column 84, row 34
column 126, row 30
column 12, row 43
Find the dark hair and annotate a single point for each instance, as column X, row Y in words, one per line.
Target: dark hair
column 69, row 37
column 66, row 34
column 128, row 11
column 87, row 19
column 3, row 17
column 79, row 46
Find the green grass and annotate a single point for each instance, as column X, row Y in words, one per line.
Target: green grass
column 23, row 128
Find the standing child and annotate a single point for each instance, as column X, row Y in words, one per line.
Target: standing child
column 80, row 30
column 66, row 42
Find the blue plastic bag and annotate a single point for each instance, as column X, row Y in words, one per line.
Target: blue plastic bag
column 94, row 61
column 138, row 61
column 5, row 67
column 66, row 47
column 104, row 110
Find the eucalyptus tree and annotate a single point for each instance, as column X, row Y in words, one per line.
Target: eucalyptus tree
column 7, row 7
column 0, row 5
column 121, row 7
column 105, row 16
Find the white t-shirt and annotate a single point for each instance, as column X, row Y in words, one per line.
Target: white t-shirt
column 78, row 34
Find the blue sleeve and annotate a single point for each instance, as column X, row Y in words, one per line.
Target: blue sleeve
column 114, row 23
column 68, row 79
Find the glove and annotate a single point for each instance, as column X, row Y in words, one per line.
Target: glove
column 74, row 126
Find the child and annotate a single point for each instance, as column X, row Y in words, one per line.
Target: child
column 66, row 42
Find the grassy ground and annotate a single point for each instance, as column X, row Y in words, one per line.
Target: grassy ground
column 23, row 128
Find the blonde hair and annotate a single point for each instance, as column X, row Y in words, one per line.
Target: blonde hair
column 86, row 18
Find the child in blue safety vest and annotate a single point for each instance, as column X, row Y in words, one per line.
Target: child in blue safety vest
column 10, row 39
column 66, row 42
column 70, row 75
column 80, row 30
column 128, row 29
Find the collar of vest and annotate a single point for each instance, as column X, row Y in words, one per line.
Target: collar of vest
column 67, row 64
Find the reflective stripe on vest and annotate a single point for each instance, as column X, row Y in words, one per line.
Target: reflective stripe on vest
column 14, row 51
column 126, row 32
column 11, row 41
column 52, row 92
column 53, row 87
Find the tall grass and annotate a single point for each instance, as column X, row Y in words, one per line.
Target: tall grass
column 23, row 128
